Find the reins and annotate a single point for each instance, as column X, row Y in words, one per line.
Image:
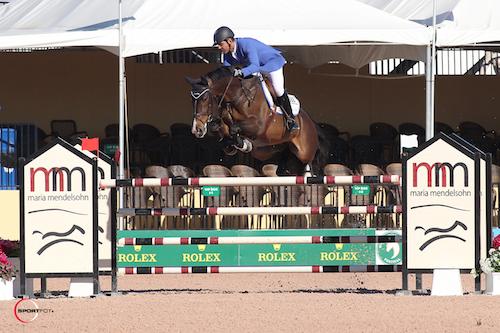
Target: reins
column 197, row 95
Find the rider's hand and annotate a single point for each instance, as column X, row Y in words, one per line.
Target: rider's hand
column 238, row 72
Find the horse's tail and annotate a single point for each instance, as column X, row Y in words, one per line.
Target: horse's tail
column 321, row 156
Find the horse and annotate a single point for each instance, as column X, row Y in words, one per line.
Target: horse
column 236, row 110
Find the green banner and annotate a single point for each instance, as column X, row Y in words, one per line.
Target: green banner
column 210, row 191
column 360, row 189
column 247, row 255
column 258, row 254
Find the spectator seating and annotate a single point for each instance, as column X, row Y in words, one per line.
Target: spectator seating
column 247, row 196
column 412, row 128
column 336, row 195
column 224, row 200
column 387, row 136
column 66, row 129
column 366, row 150
column 442, row 127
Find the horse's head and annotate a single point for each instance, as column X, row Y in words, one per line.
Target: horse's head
column 203, row 106
column 207, row 97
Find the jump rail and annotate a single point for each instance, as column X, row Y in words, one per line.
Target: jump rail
column 236, row 211
column 260, row 240
column 249, row 181
column 258, row 269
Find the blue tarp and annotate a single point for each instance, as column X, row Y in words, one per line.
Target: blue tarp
column 7, row 151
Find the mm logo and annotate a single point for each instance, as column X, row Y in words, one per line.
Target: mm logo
column 440, row 170
column 57, row 173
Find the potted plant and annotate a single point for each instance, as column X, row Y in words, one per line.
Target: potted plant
column 491, row 267
column 8, row 250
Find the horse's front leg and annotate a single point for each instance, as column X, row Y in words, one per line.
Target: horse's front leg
column 240, row 142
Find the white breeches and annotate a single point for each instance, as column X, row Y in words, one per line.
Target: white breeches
column 278, row 82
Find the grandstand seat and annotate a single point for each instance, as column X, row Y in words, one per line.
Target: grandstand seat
column 224, row 200
column 337, row 195
column 442, row 127
column 387, row 135
column 149, row 146
column 366, row 149
column 247, row 196
column 283, row 196
column 66, row 129
column 377, row 196
column 412, row 128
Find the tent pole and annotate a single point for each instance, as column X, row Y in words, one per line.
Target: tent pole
column 429, row 110
column 430, row 79
column 121, row 111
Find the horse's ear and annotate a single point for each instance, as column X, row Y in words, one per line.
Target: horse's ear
column 192, row 81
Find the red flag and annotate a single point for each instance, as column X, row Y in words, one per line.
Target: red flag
column 91, row 144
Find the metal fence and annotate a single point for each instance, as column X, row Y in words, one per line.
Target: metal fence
column 449, row 61
column 16, row 140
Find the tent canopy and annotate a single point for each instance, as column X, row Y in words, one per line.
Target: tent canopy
column 158, row 25
column 460, row 22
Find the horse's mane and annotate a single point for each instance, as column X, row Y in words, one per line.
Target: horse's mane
column 219, row 73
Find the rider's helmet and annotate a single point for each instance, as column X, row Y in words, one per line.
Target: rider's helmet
column 221, row 34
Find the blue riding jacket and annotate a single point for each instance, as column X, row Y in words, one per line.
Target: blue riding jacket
column 255, row 56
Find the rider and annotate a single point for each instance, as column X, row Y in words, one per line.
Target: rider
column 256, row 56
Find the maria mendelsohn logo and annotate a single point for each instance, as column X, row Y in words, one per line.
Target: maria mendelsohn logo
column 27, row 310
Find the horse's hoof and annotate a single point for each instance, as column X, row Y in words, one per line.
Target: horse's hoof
column 247, row 146
column 230, row 150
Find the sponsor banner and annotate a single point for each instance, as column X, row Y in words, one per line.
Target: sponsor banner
column 246, row 255
column 442, row 222
column 389, row 253
column 258, row 254
column 59, row 213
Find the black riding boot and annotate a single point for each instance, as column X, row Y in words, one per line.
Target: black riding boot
column 286, row 108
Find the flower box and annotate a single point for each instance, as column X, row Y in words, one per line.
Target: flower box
column 493, row 283
column 7, row 289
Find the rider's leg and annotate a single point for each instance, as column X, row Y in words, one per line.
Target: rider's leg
column 278, row 82
column 284, row 103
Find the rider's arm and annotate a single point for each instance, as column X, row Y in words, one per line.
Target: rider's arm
column 253, row 61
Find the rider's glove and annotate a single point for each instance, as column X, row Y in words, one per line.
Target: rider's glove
column 238, row 72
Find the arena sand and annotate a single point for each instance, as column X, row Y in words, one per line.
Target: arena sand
column 293, row 302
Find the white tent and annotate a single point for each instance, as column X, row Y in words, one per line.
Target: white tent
column 460, row 22
column 157, row 25
column 474, row 21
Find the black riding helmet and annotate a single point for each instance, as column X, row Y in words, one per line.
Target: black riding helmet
column 221, row 34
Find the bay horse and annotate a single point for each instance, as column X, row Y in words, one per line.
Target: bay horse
column 237, row 111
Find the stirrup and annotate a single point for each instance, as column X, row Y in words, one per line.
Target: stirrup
column 291, row 125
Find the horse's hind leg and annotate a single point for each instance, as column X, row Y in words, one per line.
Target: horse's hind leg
column 290, row 165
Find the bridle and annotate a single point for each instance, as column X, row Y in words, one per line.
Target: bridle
column 196, row 95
